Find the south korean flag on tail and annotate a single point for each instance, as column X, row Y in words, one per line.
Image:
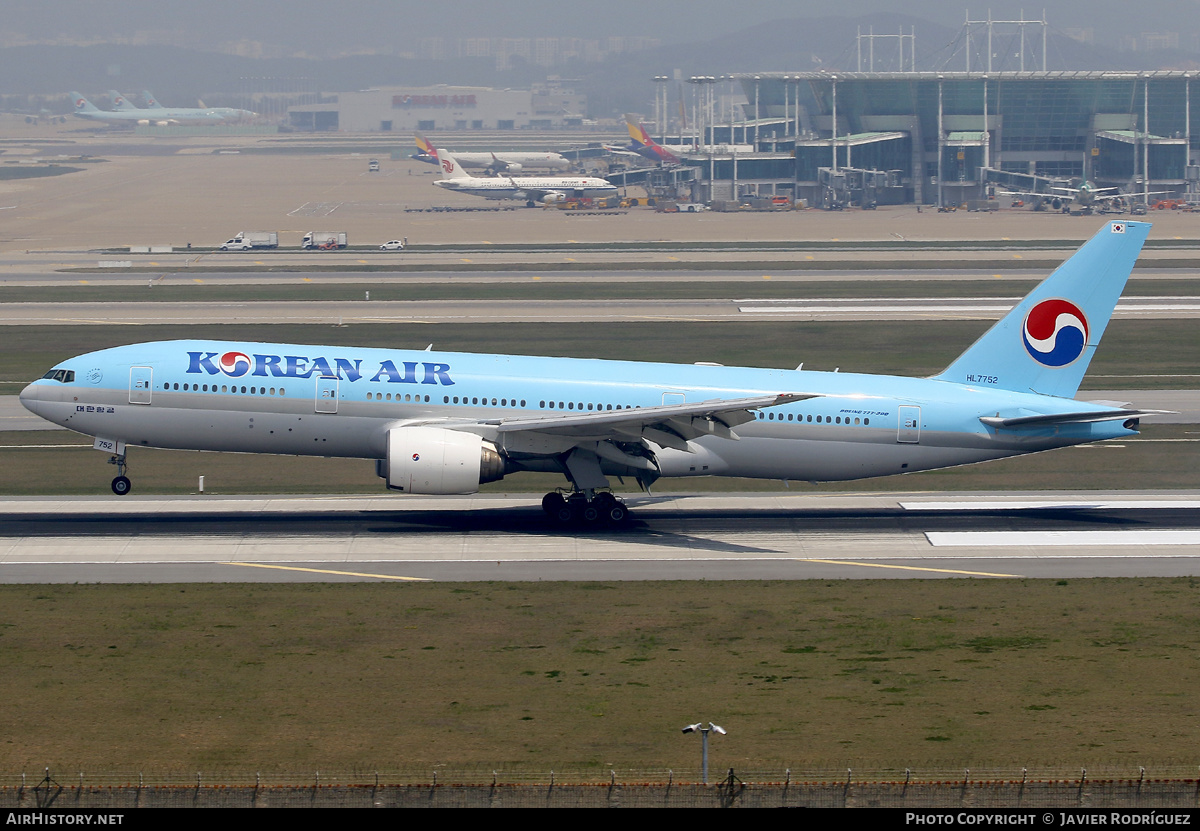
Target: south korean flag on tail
column 1118, row 227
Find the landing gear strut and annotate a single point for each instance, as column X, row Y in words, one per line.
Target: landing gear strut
column 586, row 508
column 121, row 485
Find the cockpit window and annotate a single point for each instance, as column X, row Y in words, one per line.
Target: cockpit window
column 67, row 376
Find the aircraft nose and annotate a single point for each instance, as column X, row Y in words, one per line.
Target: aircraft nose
column 30, row 397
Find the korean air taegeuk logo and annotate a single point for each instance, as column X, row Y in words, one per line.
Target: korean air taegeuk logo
column 1055, row 332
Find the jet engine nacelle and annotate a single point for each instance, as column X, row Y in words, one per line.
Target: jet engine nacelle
column 439, row 461
column 554, row 198
column 512, row 167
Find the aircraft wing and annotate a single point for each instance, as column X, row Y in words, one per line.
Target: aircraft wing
column 669, row 425
column 1025, row 194
column 1080, row 417
column 617, row 150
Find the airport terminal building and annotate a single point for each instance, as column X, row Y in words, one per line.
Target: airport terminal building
column 942, row 137
column 848, row 138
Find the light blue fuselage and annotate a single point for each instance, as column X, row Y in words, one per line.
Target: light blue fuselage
column 342, row 401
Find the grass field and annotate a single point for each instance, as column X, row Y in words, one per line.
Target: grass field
column 942, row 674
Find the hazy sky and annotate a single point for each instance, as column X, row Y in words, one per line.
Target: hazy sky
column 338, row 25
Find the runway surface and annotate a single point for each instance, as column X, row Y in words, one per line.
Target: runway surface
column 690, row 537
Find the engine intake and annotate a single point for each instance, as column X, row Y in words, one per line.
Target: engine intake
column 434, row 460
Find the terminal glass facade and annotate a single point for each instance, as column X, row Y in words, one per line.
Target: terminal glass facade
column 1113, row 127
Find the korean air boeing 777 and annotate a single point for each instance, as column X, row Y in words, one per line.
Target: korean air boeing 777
column 446, row 422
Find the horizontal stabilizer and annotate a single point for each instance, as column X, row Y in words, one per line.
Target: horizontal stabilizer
column 1082, row 417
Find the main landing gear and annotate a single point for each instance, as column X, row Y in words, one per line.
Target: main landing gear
column 586, row 508
column 121, row 485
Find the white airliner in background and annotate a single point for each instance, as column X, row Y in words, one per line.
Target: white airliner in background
column 504, row 161
column 641, row 144
column 529, row 189
column 160, row 115
column 447, row 422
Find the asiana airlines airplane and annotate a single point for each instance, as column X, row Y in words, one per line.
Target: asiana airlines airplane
column 447, row 422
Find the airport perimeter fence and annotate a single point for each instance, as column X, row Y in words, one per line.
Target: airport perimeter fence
column 611, row 788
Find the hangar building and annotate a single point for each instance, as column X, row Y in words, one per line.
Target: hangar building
column 442, row 108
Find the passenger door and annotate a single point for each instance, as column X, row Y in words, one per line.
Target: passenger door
column 141, row 384
column 909, row 430
column 327, row 395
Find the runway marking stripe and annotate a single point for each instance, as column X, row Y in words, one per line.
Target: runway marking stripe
column 906, row 568
column 1077, row 539
column 329, row 571
column 981, row 505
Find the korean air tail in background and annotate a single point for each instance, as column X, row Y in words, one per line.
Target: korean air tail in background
column 1044, row 345
column 82, row 105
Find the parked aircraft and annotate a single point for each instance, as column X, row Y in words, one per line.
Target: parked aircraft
column 531, row 189
column 447, row 422
column 162, row 115
column 1063, row 194
column 643, row 145
column 507, row 161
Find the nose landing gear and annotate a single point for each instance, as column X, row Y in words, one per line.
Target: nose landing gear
column 121, row 485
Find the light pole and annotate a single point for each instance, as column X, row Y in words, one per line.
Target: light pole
column 660, row 110
column 703, row 731
column 757, row 80
column 940, row 145
column 833, row 137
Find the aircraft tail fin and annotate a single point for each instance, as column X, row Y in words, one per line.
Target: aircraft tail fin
column 82, row 105
column 1046, row 342
column 151, row 101
column 120, row 102
column 451, row 169
column 643, row 142
column 637, row 132
column 424, row 144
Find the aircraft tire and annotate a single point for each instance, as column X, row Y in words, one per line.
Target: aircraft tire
column 617, row 513
column 121, row 486
column 565, row 514
column 551, row 503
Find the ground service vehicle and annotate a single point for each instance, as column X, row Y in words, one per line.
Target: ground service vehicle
column 324, row 240
column 392, row 245
column 245, row 240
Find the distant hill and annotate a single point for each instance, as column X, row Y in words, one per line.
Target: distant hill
column 180, row 76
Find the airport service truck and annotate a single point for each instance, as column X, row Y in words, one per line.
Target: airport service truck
column 324, row 240
column 245, row 240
